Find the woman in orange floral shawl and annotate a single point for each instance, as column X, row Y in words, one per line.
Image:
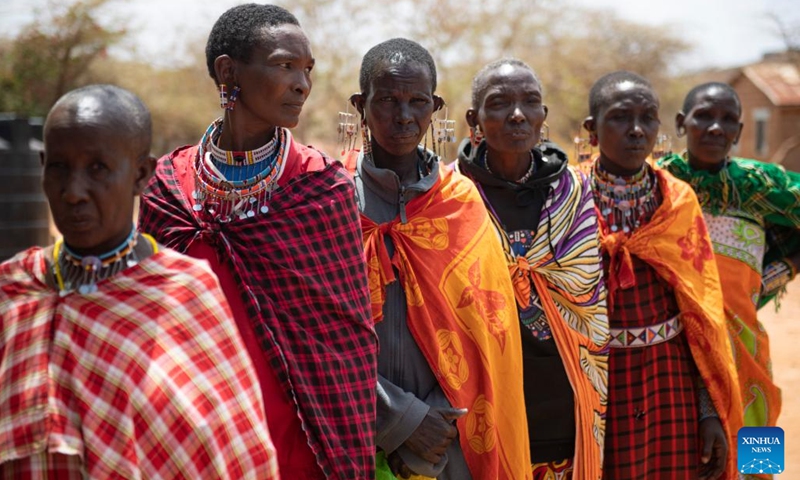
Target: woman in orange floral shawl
column 441, row 294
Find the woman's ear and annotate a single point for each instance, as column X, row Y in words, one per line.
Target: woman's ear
column 472, row 117
column 680, row 126
column 438, row 103
column 225, row 70
column 589, row 124
column 144, row 170
column 357, row 100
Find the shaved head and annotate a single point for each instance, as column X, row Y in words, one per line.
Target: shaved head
column 483, row 79
column 105, row 105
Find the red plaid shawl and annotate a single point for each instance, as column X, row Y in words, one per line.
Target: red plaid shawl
column 304, row 282
column 145, row 378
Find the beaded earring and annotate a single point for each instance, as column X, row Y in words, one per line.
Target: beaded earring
column 347, row 130
column 223, row 96
column 366, row 140
column 475, row 136
column 232, row 98
column 544, row 133
column 663, row 147
column 584, row 148
column 443, row 132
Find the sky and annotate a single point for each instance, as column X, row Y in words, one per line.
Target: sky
column 726, row 33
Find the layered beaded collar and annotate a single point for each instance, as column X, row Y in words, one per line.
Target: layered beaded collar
column 219, row 196
column 625, row 202
column 74, row 272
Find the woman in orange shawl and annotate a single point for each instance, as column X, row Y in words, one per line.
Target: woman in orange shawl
column 674, row 407
column 441, row 294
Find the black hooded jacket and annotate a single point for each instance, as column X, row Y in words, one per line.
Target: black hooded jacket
column 549, row 398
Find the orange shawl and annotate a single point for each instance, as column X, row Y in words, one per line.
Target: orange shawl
column 462, row 314
column 676, row 244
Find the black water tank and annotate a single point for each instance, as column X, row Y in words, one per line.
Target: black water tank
column 24, row 213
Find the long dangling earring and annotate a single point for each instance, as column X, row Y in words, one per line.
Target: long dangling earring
column 663, row 147
column 584, row 147
column 366, row 141
column 475, row 136
column 232, row 98
column 544, row 133
column 443, row 132
column 347, row 130
column 223, row 96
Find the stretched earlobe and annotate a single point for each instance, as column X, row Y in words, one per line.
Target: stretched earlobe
column 438, row 103
column 589, row 124
column 472, row 117
column 357, row 101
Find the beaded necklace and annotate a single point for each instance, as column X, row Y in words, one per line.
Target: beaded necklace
column 82, row 272
column 624, row 201
column 238, row 158
column 222, row 199
column 527, row 176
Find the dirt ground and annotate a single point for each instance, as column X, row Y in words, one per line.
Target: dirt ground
column 784, row 333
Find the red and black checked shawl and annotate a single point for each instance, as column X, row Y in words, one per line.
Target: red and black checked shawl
column 304, row 282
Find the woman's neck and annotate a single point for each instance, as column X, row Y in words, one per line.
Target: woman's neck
column 239, row 136
column 698, row 164
column 619, row 170
column 406, row 166
column 510, row 166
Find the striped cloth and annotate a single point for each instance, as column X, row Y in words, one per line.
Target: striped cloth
column 145, row 378
column 563, row 269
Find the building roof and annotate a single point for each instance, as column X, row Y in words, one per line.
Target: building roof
column 779, row 81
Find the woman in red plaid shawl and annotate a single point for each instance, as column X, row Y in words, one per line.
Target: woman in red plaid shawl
column 118, row 358
column 279, row 225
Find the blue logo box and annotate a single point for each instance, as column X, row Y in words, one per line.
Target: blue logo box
column 760, row 450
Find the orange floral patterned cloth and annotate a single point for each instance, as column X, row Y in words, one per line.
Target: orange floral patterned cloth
column 676, row 244
column 463, row 316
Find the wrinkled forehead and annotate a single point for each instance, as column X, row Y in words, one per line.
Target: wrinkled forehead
column 399, row 70
column 629, row 93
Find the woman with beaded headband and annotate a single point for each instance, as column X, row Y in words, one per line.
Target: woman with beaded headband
column 110, row 344
column 674, row 408
column 278, row 222
column 443, row 302
column 752, row 210
column 543, row 212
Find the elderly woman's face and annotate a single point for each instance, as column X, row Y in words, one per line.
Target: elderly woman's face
column 511, row 112
column 399, row 106
column 276, row 82
column 91, row 176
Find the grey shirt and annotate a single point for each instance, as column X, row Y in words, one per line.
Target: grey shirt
column 407, row 387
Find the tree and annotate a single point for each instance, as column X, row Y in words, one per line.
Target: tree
column 52, row 55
